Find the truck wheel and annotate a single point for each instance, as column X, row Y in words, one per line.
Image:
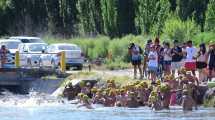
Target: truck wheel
column 80, row 67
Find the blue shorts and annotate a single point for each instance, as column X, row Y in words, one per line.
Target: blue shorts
column 153, row 69
column 167, row 62
column 136, row 60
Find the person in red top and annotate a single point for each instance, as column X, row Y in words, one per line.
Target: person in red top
column 3, row 54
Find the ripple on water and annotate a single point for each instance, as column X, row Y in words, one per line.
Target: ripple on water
column 45, row 107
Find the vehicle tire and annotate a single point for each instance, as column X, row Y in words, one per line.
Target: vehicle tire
column 67, row 68
column 80, row 67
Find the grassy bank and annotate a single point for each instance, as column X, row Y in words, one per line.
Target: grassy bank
column 114, row 51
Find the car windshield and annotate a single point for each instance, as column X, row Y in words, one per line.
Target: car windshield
column 11, row 44
column 37, row 47
column 31, row 41
column 68, row 47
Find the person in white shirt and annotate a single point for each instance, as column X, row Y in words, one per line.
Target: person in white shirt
column 153, row 63
column 190, row 62
column 167, row 59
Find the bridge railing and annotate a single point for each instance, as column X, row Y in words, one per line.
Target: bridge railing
column 61, row 55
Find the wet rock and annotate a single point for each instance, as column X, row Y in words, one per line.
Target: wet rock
column 73, row 88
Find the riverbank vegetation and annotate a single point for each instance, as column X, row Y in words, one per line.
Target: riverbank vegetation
column 176, row 19
column 114, row 51
column 104, row 28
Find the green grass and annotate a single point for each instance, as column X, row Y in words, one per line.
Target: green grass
column 211, row 84
column 210, row 102
column 103, row 46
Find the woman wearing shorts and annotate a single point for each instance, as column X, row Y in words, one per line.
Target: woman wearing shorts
column 201, row 63
column 135, row 53
column 167, row 59
column 211, row 60
column 153, row 63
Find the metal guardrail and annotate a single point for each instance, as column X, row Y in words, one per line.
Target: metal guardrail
column 62, row 59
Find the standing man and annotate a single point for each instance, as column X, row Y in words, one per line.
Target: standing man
column 177, row 56
column 135, row 52
column 3, row 55
column 190, row 62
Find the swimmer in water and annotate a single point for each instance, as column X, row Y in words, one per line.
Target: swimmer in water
column 85, row 102
column 132, row 101
column 187, row 102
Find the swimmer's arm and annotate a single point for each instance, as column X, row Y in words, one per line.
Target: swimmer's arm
column 74, row 102
column 80, row 106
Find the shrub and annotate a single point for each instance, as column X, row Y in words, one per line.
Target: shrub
column 181, row 30
column 205, row 37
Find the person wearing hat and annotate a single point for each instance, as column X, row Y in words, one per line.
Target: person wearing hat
column 211, row 63
column 177, row 57
column 85, row 102
column 132, row 101
column 135, row 52
column 187, row 101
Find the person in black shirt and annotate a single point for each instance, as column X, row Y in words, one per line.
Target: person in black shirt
column 177, row 56
column 211, row 63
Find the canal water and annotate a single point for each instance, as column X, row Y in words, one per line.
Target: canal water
column 45, row 107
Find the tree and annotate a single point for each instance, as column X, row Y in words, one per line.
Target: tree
column 55, row 21
column 109, row 15
column 86, row 17
column 162, row 14
column 187, row 9
column 68, row 14
column 5, row 10
column 151, row 12
column 210, row 16
column 125, row 17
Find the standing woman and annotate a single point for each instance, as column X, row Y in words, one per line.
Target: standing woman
column 146, row 53
column 167, row 59
column 211, row 60
column 135, row 53
column 201, row 62
column 153, row 63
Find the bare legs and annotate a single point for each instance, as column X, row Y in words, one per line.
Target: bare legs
column 140, row 71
